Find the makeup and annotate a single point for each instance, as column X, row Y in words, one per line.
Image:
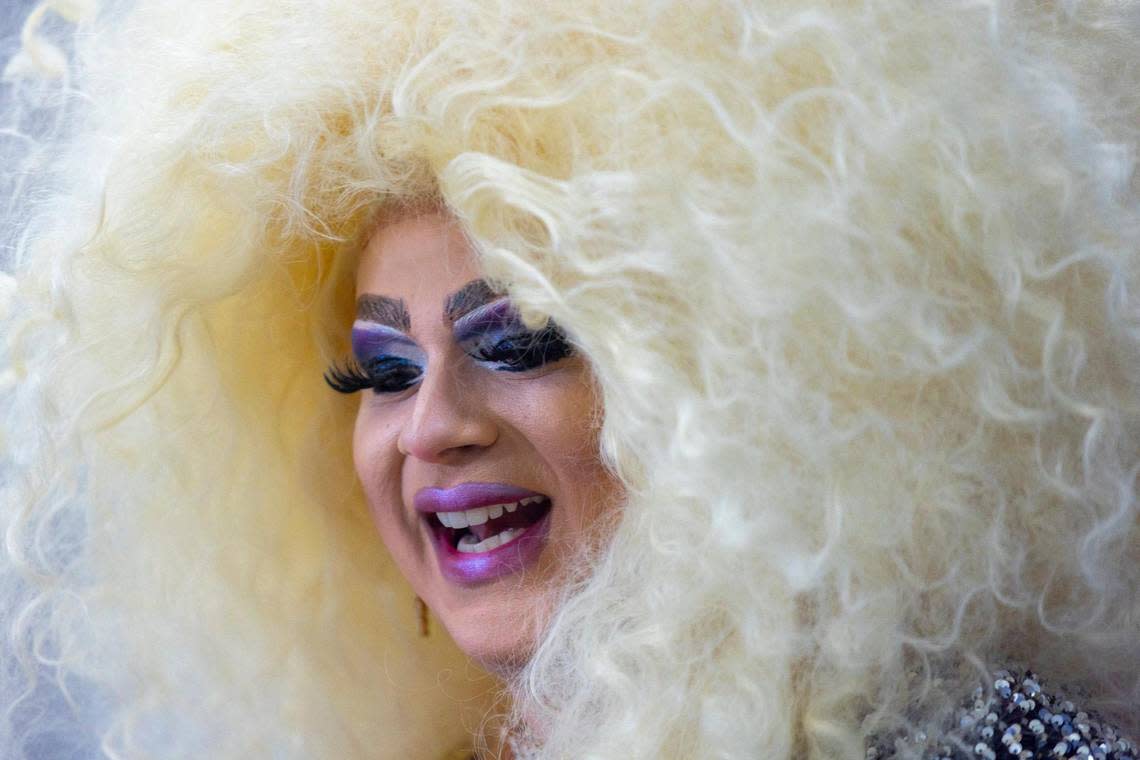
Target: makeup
column 495, row 317
column 469, row 297
column 484, row 531
column 371, row 340
column 495, row 334
column 384, row 360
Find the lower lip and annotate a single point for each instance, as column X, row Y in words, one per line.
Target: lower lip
column 479, row 567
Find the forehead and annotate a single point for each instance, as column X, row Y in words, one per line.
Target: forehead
column 420, row 259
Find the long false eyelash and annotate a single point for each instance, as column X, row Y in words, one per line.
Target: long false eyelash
column 347, row 379
column 530, row 349
column 384, row 374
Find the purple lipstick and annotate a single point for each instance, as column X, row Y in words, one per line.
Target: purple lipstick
column 484, row 531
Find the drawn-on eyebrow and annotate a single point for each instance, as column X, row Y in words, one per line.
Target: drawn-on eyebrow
column 383, row 310
column 471, row 296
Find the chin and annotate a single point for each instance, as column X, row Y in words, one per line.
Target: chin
column 495, row 644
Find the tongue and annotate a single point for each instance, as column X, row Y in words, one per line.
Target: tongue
column 520, row 518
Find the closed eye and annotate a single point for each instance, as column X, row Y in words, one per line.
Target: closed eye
column 523, row 350
column 383, row 374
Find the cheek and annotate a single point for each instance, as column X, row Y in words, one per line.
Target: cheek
column 562, row 426
column 376, row 461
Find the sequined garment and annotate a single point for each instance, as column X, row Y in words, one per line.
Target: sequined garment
column 1019, row 721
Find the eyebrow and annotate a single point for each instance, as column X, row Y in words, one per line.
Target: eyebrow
column 393, row 312
column 471, row 296
column 384, row 310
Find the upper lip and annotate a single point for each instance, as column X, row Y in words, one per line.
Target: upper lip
column 468, row 496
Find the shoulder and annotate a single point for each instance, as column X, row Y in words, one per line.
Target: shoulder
column 1015, row 717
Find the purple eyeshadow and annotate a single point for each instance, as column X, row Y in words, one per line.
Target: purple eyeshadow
column 495, row 316
column 370, row 340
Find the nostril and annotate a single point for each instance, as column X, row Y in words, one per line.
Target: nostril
column 441, row 441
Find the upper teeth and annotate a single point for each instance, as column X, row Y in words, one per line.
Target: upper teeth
column 480, row 515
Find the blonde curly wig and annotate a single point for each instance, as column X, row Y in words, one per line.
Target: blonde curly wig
column 859, row 283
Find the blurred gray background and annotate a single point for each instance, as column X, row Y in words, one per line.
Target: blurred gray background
column 50, row 730
column 12, row 13
column 17, row 125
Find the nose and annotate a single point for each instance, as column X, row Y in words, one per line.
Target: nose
column 448, row 419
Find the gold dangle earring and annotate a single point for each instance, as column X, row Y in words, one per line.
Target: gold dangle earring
column 422, row 614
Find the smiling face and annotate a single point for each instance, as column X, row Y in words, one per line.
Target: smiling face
column 475, row 441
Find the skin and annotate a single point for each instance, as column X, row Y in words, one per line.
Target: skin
column 467, row 422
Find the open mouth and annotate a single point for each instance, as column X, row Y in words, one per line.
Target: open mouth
column 484, row 529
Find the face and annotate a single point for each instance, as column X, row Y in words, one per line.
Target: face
column 475, row 441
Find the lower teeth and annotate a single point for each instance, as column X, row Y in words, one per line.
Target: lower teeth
column 469, row 544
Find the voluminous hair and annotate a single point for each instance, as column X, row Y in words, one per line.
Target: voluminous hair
column 859, row 283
